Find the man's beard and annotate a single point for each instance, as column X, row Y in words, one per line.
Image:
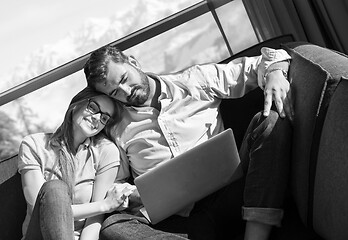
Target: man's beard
column 141, row 92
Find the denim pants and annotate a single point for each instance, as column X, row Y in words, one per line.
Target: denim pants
column 52, row 217
column 265, row 156
column 257, row 196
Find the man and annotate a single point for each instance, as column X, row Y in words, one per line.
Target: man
column 168, row 114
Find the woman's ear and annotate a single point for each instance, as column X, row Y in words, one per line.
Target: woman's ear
column 133, row 61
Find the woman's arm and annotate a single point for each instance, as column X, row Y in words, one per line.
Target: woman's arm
column 99, row 205
column 32, row 181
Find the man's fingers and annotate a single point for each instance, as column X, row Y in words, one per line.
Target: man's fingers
column 268, row 103
column 278, row 98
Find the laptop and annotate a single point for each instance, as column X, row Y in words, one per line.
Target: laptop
column 189, row 177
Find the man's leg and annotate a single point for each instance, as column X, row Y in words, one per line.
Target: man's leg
column 265, row 157
column 52, row 217
column 218, row 216
column 121, row 226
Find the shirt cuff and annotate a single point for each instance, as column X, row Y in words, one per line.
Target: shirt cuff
column 26, row 166
column 269, row 56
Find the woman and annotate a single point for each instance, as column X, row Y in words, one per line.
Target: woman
column 67, row 176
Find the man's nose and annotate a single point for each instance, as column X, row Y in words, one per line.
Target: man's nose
column 125, row 89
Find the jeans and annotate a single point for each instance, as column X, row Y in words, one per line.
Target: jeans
column 257, row 196
column 125, row 227
column 52, row 217
column 265, row 157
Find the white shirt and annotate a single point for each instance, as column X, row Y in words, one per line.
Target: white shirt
column 189, row 112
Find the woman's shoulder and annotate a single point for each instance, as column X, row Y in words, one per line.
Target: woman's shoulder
column 105, row 154
column 33, row 150
column 100, row 141
column 103, row 144
column 36, row 138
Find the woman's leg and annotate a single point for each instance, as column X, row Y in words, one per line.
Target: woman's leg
column 52, row 217
column 265, row 156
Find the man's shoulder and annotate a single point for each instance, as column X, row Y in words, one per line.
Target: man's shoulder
column 183, row 71
column 192, row 76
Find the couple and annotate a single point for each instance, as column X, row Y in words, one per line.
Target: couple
column 161, row 116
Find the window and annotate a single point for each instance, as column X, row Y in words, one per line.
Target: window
column 237, row 26
column 196, row 41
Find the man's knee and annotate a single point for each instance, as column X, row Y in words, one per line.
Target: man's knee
column 269, row 128
column 271, row 119
column 268, row 123
column 121, row 228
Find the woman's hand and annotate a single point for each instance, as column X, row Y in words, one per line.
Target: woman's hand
column 114, row 198
column 117, row 195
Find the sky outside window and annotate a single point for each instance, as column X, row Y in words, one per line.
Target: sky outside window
column 32, row 29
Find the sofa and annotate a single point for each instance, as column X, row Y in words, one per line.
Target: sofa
column 316, row 205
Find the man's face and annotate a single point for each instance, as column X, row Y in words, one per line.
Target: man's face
column 125, row 83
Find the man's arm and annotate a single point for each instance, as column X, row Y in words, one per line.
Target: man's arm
column 239, row 76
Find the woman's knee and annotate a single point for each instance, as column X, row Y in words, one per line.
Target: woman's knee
column 54, row 189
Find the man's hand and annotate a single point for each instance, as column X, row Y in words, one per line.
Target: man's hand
column 277, row 89
column 134, row 198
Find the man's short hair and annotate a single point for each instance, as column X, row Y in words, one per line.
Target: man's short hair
column 96, row 67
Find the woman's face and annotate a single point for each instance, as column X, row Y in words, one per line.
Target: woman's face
column 92, row 117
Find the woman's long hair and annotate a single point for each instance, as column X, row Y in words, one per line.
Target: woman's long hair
column 62, row 140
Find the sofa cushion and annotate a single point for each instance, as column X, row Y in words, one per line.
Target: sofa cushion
column 315, row 73
column 8, row 168
column 308, row 80
column 12, row 202
column 330, row 214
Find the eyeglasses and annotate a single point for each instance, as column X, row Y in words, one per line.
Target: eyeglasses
column 94, row 108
